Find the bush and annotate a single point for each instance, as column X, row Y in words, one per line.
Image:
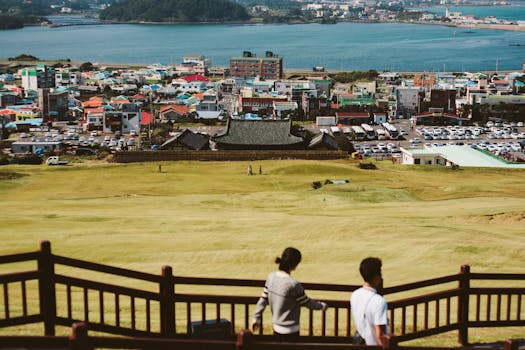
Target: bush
column 367, row 166
column 316, row 185
column 31, row 159
column 4, row 160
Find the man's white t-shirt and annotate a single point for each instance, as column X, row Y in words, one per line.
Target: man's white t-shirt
column 369, row 309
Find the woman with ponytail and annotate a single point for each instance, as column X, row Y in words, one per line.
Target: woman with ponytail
column 285, row 297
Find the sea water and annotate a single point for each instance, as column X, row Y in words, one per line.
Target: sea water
column 341, row 46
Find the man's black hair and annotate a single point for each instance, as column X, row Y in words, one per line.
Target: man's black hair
column 369, row 268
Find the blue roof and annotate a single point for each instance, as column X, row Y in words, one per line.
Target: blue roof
column 32, row 121
column 251, row 116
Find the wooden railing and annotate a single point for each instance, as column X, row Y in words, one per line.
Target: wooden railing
column 81, row 340
column 114, row 305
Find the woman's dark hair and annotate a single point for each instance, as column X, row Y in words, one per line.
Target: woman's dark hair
column 289, row 259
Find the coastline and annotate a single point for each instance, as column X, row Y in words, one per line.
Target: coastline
column 290, row 71
column 507, row 27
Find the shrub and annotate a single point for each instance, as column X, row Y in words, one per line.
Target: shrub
column 367, row 166
column 316, row 185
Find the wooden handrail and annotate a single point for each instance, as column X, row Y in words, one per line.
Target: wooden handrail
column 82, row 264
column 19, row 276
column 14, row 258
column 166, row 301
column 105, row 287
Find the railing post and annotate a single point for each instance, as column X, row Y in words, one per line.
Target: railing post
column 79, row 339
column 510, row 344
column 388, row 342
column 167, row 303
column 463, row 304
column 46, row 288
column 244, row 340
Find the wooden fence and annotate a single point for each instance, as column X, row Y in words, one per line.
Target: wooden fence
column 161, row 311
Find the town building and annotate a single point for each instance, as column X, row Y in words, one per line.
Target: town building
column 408, row 101
column 124, row 120
column 186, row 140
column 53, row 103
column 249, row 66
column 67, row 77
column 40, row 77
column 445, row 99
column 352, row 118
column 258, row 103
column 258, row 135
column 35, row 146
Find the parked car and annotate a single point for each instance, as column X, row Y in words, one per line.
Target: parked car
column 82, row 151
column 55, row 160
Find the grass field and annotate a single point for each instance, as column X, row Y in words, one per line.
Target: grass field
column 210, row 219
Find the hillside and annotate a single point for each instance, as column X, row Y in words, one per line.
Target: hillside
column 209, row 219
column 175, row 11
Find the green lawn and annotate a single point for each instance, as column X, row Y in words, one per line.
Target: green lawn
column 210, row 219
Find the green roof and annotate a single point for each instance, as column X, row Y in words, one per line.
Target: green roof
column 30, row 72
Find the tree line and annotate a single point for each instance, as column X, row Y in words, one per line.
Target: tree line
column 175, row 11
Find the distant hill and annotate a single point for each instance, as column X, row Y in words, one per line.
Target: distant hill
column 16, row 22
column 175, row 11
column 273, row 4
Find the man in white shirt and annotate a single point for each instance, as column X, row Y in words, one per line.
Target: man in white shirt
column 369, row 308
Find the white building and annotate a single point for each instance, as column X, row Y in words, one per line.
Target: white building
column 279, row 107
column 413, row 156
column 123, row 120
column 66, row 77
column 198, row 60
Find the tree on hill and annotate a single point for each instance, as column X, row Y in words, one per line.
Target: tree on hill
column 175, row 11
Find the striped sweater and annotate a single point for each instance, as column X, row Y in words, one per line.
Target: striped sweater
column 285, row 296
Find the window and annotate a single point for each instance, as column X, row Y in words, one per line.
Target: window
column 417, row 161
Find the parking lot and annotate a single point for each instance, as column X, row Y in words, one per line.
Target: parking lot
column 73, row 138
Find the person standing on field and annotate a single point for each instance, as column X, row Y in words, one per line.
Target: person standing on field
column 369, row 308
column 285, row 297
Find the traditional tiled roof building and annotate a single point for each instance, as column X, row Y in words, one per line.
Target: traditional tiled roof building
column 258, row 135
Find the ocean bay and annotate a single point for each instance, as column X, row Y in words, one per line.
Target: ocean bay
column 342, row 46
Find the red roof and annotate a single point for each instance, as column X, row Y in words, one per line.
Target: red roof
column 7, row 111
column 196, row 77
column 139, row 96
column 94, row 110
column 93, row 102
column 353, row 114
column 179, row 109
column 147, row 118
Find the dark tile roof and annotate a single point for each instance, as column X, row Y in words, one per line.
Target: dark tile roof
column 189, row 139
column 324, row 139
column 258, row 132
